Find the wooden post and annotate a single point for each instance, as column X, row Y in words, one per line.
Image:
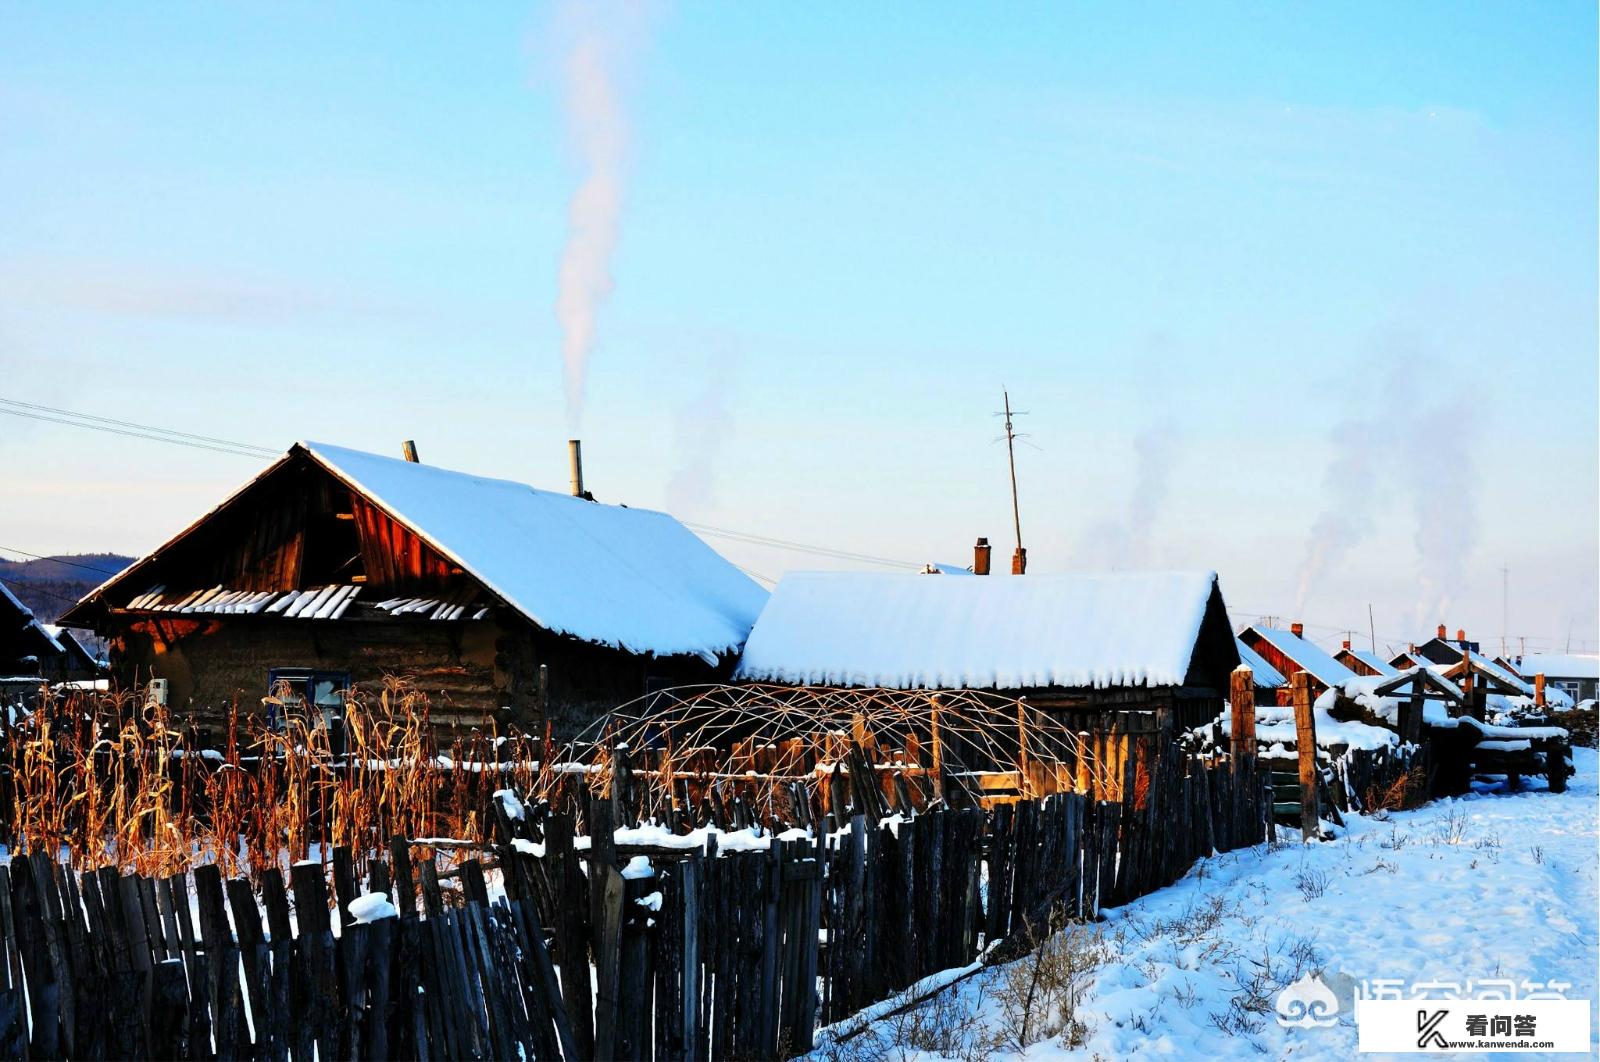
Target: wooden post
column 1242, row 702
column 1538, row 690
column 1305, row 740
column 1023, row 785
column 1411, row 712
column 1469, row 691
column 937, row 750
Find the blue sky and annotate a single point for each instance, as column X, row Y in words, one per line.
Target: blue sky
column 1266, row 277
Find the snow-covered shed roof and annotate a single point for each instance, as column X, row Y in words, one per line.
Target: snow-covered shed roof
column 1264, row 674
column 1310, row 656
column 1374, row 661
column 632, row 578
column 988, row 632
column 1560, row 665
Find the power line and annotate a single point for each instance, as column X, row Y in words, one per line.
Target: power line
column 753, row 539
column 74, row 419
column 131, row 430
column 152, row 433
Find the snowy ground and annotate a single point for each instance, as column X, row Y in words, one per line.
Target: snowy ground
column 1490, row 886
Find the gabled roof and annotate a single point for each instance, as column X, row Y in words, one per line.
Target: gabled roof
column 631, row 578
column 1308, row 655
column 1265, row 675
column 1483, row 665
column 1374, row 661
column 21, row 634
column 988, row 632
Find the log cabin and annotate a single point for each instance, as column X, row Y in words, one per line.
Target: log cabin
column 1145, row 652
column 335, row 568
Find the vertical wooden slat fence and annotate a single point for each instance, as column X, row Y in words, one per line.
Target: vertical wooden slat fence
column 590, row 953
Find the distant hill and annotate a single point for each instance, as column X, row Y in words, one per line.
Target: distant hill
column 52, row 585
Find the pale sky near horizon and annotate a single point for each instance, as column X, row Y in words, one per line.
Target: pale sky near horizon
column 1302, row 293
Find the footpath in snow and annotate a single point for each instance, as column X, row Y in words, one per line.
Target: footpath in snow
column 1491, row 886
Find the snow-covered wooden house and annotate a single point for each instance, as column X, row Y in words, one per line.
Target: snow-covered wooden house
column 1289, row 651
column 1576, row 674
column 1365, row 662
column 334, row 566
column 33, row 654
column 1267, row 679
column 1156, row 646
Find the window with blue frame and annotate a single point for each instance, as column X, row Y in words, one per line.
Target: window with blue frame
column 306, row 693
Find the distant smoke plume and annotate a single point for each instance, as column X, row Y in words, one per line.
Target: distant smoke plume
column 1125, row 542
column 1152, row 482
column 700, row 427
column 1350, row 489
column 1419, row 448
column 1444, row 500
column 602, row 39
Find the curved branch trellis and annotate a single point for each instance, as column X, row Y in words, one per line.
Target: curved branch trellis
column 787, row 754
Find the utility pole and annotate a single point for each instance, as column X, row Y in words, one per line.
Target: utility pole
column 1019, row 560
column 1372, row 629
column 1505, row 606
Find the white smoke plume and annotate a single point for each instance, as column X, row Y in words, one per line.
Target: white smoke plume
column 1152, row 482
column 1349, row 485
column 602, row 41
column 1420, row 445
column 1125, row 542
column 700, row 427
column 1444, row 501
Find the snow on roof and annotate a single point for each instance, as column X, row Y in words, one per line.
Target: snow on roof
column 25, row 615
column 632, row 578
column 1308, row 655
column 1266, row 676
column 1499, row 671
column 1484, row 665
column 998, row 632
column 1374, row 661
column 1560, row 665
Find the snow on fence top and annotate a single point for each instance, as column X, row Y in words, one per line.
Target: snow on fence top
column 1307, row 654
column 1264, row 674
column 988, row 632
column 632, row 578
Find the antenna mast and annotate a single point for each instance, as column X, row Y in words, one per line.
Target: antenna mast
column 1019, row 560
column 1505, row 605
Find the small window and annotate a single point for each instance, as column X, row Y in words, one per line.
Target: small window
column 301, row 692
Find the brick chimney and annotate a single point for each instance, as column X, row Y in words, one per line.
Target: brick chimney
column 1461, row 635
column 1347, row 645
column 1297, row 629
column 1019, row 561
column 1443, row 633
column 980, row 557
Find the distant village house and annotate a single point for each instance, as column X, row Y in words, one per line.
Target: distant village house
column 1085, row 648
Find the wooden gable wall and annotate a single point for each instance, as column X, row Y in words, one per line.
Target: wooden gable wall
column 395, row 558
column 296, row 527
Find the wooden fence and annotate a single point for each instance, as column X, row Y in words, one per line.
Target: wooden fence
column 596, row 953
